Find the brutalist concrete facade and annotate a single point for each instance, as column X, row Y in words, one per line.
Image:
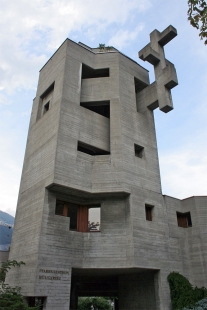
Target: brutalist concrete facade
column 105, row 156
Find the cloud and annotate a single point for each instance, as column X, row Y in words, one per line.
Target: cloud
column 184, row 171
column 123, row 37
column 10, row 173
column 34, row 29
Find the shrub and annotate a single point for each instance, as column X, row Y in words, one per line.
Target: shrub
column 182, row 292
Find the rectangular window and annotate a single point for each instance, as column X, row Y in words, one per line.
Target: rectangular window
column 90, row 150
column 90, row 73
column 45, row 101
column 94, row 218
column 46, row 107
column 138, row 150
column 82, row 218
column 184, row 219
column 148, row 212
column 36, row 302
column 100, row 107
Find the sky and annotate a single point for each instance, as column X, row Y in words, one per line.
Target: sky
column 31, row 31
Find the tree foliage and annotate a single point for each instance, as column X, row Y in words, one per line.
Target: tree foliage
column 197, row 15
column 10, row 297
column 95, row 303
column 182, row 292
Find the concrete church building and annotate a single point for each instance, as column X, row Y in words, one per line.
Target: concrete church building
column 91, row 218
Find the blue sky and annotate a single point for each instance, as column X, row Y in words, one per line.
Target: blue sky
column 32, row 30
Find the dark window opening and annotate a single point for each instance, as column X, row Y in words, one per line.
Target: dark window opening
column 45, row 101
column 91, row 150
column 184, row 219
column 90, row 73
column 69, row 210
column 139, row 150
column 148, row 212
column 82, row 218
column 139, row 85
column 36, row 302
column 100, row 107
column 46, row 107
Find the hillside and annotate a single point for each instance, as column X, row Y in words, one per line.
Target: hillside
column 5, row 231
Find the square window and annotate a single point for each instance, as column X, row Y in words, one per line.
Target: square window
column 184, row 219
column 148, row 212
column 82, row 218
column 138, row 150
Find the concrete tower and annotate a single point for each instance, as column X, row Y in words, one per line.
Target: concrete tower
column 92, row 150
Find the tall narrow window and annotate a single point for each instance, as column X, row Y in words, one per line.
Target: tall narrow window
column 148, row 212
column 184, row 219
column 45, row 101
column 46, row 107
column 138, row 150
column 94, row 218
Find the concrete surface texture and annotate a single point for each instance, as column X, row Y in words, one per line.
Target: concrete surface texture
column 92, row 145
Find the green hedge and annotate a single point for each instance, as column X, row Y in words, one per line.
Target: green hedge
column 182, row 292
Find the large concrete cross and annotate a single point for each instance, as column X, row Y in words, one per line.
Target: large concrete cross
column 158, row 94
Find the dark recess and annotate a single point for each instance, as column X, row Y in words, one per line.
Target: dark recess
column 90, row 150
column 139, row 85
column 100, row 107
column 90, row 73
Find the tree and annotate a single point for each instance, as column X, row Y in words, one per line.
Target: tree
column 94, row 303
column 10, row 297
column 197, row 15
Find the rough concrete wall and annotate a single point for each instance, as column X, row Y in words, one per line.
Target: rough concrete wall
column 38, row 171
column 196, row 238
column 188, row 245
column 137, row 291
column 150, row 237
column 137, row 128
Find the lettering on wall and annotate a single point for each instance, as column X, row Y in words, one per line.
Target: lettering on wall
column 54, row 277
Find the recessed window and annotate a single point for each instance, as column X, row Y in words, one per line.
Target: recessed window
column 91, row 150
column 36, row 302
column 148, row 212
column 46, row 107
column 94, row 218
column 82, row 218
column 184, row 219
column 45, row 101
column 138, row 150
column 139, row 85
column 100, row 107
column 90, row 73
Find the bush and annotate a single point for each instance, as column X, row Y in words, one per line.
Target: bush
column 10, row 297
column 96, row 303
column 182, row 292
